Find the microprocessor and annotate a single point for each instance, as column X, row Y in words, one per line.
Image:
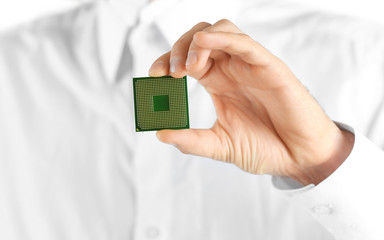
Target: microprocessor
column 160, row 103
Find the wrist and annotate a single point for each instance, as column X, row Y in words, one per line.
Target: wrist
column 328, row 160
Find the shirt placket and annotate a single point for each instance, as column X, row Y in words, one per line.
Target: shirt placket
column 146, row 44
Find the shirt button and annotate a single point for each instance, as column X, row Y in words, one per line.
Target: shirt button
column 152, row 232
column 323, row 209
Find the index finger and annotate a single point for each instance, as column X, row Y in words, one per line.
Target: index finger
column 235, row 44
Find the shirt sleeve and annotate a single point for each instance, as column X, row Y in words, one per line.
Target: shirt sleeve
column 350, row 202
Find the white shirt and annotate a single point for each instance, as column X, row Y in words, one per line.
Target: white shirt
column 72, row 166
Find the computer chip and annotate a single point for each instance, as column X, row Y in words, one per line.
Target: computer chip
column 160, row 103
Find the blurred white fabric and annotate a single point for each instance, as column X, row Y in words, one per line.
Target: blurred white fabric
column 366, row 9
column 71, row 166
column 14, row 12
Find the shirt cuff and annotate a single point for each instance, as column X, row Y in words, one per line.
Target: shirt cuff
column 350, row 202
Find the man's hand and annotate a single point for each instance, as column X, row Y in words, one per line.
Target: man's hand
column 267, row 122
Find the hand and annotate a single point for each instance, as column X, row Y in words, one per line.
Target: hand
column 267, row 122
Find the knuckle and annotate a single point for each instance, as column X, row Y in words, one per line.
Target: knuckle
column 224, row 22
column 247, row 39
column 164, row 56
column 227, row 25
column 245, row 36
column 202, row 25
column 181, row 41
column 180, row 44
column 185, row 40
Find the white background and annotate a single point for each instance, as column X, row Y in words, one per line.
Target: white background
column 13, row 12
column 366, row 9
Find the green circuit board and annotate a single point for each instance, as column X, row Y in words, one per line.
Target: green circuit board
column 160, row 103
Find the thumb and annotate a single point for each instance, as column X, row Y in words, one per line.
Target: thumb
column 200, row 142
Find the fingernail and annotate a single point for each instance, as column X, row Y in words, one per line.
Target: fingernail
column 175, row 64
column 191, row 59
column 156, row 67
